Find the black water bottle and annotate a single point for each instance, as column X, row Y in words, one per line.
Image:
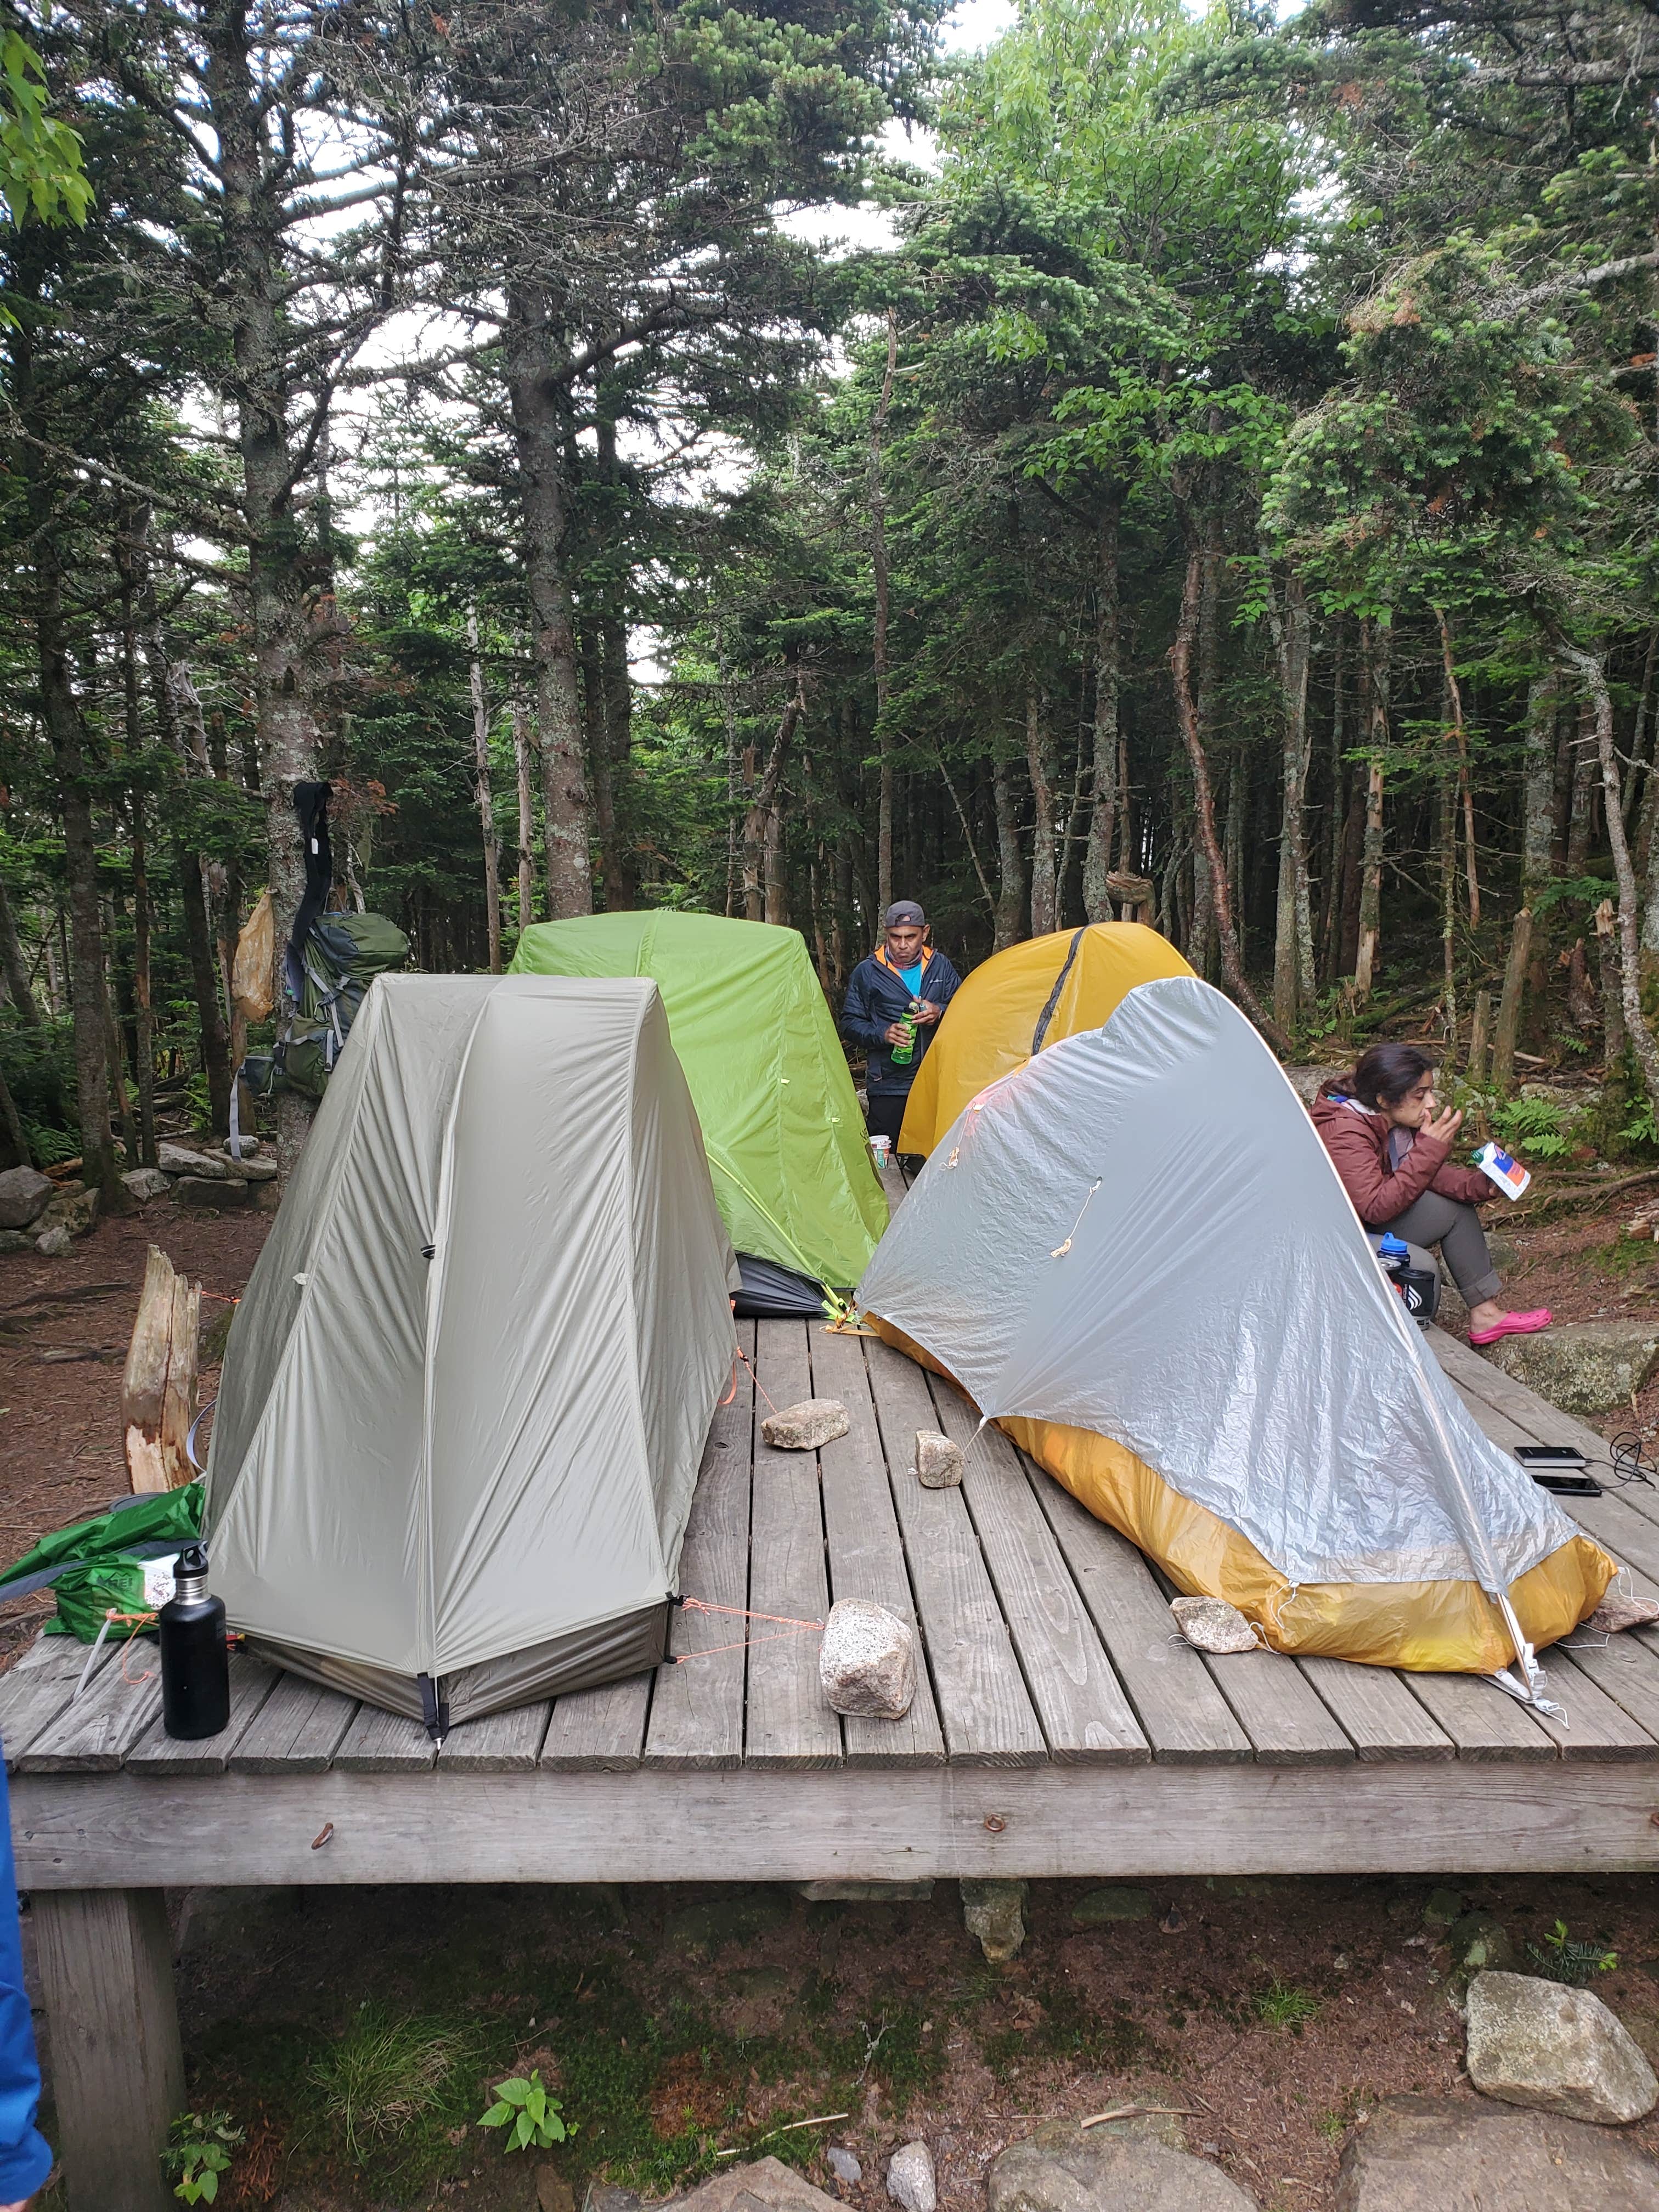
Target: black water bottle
column 195, row 1661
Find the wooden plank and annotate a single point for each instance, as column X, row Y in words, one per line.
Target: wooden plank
column 118, row 2072
column 1624, row 1667
column 599, row 1731
column 96, row 1734
column 251, row 1682
column 1281, row 1711
column 983, row 1704
column 297, row 1730
column 34, row 1692
column 1081, row 1705
column 1542, row 1422
column 1596, row 1727
column 789, row 1722
column 379, row 1743
column 874, row 1824
column 1184, row 1716
column 1377, row 1712
column 696, row 1701
column 1487, row 1726
column 500, row 1743
column 867, row 1553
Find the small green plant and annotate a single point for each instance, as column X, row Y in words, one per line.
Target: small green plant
column 1563, row 1960
column 536, row 2120
column 382, row 2075
column 1639, row 1129
column 1532, row 1125
column 1282, row 2005
column 199, row 2147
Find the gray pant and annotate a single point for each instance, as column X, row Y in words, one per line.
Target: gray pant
column 1455, row 1228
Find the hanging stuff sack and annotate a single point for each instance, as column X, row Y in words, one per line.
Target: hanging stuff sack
column 330, row 962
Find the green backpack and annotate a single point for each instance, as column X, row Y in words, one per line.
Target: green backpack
column 343, row 953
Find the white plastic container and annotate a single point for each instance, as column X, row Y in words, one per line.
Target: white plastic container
column 1512, row 1178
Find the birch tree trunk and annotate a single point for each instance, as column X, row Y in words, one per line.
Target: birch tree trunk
column 1102, row 813
column 1292, row 930
column 877, row 500
column 523, row 746
column 1377, row 637
column 486, row 802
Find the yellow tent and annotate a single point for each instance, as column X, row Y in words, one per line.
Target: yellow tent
column 1020, row 1000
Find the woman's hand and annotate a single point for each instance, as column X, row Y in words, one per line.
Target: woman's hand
column 1445, row 1125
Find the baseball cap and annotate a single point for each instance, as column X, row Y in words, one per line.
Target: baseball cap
column 905, row 914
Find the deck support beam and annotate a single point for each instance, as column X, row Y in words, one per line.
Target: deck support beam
column 118, row 2071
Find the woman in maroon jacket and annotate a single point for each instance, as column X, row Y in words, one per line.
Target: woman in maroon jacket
column 1391, row 1145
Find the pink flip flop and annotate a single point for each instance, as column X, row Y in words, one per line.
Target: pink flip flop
column 1515, row 1324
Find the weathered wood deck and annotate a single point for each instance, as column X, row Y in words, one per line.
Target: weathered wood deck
column 1058, row 1729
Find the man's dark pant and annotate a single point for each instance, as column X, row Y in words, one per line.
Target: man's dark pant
column 884, row 1114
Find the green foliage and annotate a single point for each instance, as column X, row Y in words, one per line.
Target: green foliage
column 1576, row 1963
column 198, row 2150
column 534, row 2120
column 1532, row 1127
column 41, row 172
column 1282, row 2005
column 382, row 2075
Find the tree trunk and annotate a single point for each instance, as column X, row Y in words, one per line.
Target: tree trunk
column 144, row 1041
column 1460, row 736
column 523, row 746
column 538, row 432
column 1181, row 661
column 1102, row 813
column 1330, row 925
column 1010, row 925
column 14, row 966
column 777, row 887
column 1378, row 640
column 761, row 838
column 1039, row 762
column 1580, row 814
column 486, row 803
column 1293, row 955
column 1448, row 842
column 1591, row 669
column 617, row 855
column 884, row 597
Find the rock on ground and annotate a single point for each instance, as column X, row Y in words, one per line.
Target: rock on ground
column 815, row 1421
column 74, row 1210
column 910, row 2177
column 1306, row 1081
column 1538, row 2043
column 1581, row 1366
column 24, row 1194
column 994, row 1911
column 867, row 1660
column 16, row 1240
column 54, row 1244
column 204, row 1190
column 553, row 2192
column 142, row 1184
column 191, row 1160
column 843, row 2164
column 1445, row 2154
column 768, row 2185
column 938, row 1461
column 1212, row 1625
column 1060, row 2169
column 1480, row 1944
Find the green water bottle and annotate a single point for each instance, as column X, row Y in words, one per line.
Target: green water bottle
column 902, row 1054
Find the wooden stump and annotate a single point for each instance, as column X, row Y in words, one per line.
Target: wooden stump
column 158, row 1391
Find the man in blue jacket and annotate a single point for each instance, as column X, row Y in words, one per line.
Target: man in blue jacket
column 904, row 976
column 24, row 2160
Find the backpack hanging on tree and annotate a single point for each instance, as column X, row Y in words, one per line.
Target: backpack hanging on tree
column 330, row 962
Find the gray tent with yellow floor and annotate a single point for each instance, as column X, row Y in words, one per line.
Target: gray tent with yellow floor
column 467, row 1392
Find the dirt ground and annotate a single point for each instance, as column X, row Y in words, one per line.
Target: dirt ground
column 352, row 2034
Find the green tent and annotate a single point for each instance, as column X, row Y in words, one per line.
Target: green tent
column 793, row 1177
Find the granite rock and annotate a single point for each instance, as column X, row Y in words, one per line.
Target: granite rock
column 994, row 1911
column 938, row 1461
column 202, row 1191
column 1446, row 2154
column 191, row 1160
column 804, row 1427
column 1581, row 1366
column 1212, row 1625
column 910, row 2177
column 1558, row 2050
column 54, row 1243
column 25, row 1194
column 74, row 1210
column 1060, row 2169
column 142, row 1184
column 867, row 1660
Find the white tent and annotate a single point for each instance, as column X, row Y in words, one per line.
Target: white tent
column 466, row 1393
column 1135, row 1253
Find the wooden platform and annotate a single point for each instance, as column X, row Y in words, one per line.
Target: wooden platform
column 1059, row 1729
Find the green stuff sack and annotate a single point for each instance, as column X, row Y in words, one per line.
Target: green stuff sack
column 121, row 1559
